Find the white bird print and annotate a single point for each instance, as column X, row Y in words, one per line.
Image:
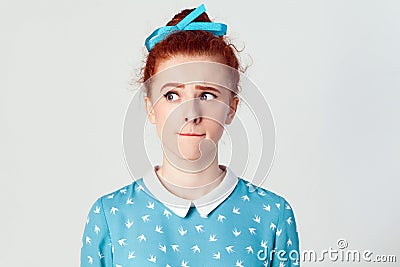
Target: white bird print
column 245, row 198
column 287, row 206
column 257, row 219
column 163, row 248
column 272, row 226
column 239, row 263
column 249, row 250
column 141, row 238
column 289, row 242
column 252, row 230
column 229, row 249
column 236, row 232
column 128, row 224
column 145, row 218
column 121, row 242
column 131, row 255
column 195, row 249
column 139, row 187
column 199, row 228
column 90, row 260
column 212, row 238
column 266, row 207
column 264, row 244
column 97, row 210
column 217, row 255
column 278, row 205
column 159, row 229
column 96, row 229
column 261, row 192
column 252, row 188
column 129, row 201
column 88, row 240
column 113, row 210
column 181, row 231
column 152, row 258
column 282, row 264
column 123, row 191
column 100, row 255
column 278, row 232
column 289, row 220
column 175, row 248
column 167, row 213
column 236, row 210
column 150, row 205
column 87, row 220
column 221, row 218
column 110, row 196
column 184, row 263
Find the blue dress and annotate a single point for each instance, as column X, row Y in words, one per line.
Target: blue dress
column 249, row 226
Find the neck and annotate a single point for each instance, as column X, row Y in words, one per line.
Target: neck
column 190, row 185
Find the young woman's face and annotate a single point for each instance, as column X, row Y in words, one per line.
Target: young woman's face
column 190, row 115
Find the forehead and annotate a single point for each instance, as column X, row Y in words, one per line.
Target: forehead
column 175, row 60
column 192, row 69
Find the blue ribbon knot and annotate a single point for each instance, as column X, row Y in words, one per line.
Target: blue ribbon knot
column 186, row 24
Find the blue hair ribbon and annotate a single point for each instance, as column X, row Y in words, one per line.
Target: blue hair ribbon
column 187, row 24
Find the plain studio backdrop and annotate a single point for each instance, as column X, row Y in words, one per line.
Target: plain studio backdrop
column 330, row 71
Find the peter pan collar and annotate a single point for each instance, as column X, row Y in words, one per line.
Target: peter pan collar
column 180, row 206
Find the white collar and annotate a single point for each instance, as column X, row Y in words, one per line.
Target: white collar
column 180, row 206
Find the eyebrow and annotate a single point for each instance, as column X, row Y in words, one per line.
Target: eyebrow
column 198, row 87
column 180, row 85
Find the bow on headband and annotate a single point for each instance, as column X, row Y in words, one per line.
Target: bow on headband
column 186, row 24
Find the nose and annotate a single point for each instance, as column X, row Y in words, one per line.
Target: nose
column 192, row 111
column 195, row 120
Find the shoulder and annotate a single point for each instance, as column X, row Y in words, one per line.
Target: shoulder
column 263, row 205
column 257, row 193
column 115, row 198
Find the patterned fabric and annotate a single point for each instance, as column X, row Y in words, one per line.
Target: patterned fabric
column 130, row 227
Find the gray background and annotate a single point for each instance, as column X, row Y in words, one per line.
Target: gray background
column 329, row 69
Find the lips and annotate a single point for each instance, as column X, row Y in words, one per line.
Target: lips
column 191, row 134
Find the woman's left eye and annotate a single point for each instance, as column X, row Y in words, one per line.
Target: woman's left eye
column 207, row 96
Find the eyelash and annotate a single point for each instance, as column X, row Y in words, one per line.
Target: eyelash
column 172, row 92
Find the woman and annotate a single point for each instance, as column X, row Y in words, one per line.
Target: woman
column 190, row 211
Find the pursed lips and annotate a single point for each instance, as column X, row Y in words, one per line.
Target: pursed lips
column 191, row 134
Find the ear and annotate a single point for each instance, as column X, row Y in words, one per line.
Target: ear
column 150, row 109
column 232, row 110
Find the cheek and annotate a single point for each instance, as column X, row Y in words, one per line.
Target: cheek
column 214, row 129
column 160, row 114
column 216, row 109
column 164, row 117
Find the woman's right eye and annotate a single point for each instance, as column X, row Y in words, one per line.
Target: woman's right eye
column 171, row 96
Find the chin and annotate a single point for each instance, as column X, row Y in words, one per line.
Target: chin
column 190, row 155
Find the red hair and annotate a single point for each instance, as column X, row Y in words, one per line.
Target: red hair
column 191, row 43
